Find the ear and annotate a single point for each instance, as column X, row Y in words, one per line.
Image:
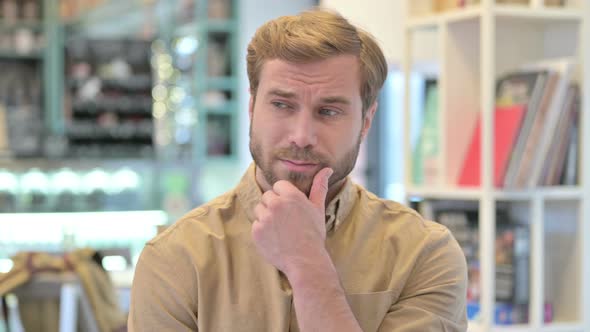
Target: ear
column 368, row 119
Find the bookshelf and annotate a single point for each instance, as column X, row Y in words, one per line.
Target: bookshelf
column 29, row 49
column 466, row 50
column 170, row 181
column 194, row 58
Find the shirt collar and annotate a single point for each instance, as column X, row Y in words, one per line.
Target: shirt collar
column 249, row 193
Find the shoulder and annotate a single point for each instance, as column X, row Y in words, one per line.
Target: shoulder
column 426, row 243
column 195, row 228
column 393, row 212
column 188, row 244
column 402, row 223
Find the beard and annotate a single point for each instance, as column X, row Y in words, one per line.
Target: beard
column 265, row 160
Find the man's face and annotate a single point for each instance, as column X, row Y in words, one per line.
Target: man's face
column 306, row 117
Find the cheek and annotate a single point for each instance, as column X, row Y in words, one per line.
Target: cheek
column 267, row 133
column 342, row 138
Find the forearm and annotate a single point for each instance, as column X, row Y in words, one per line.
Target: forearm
column 320, row 301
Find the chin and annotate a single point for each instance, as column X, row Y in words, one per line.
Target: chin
column 304, row 187
column 300, row 180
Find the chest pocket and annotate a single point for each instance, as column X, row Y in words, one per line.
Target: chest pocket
column 370, row 308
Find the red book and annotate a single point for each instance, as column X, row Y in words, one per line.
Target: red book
column 507, row 122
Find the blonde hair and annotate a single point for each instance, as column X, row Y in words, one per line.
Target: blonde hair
column 316, row 35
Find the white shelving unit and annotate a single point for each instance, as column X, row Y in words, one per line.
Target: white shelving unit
column 470, row 48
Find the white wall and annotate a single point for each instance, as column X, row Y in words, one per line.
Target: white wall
column 384, row 19
column 254, row 13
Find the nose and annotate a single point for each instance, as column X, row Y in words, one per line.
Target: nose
column 303, row 130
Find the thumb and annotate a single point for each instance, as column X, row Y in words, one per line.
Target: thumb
column 319, row 187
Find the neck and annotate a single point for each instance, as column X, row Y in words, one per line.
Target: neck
column 334, row 190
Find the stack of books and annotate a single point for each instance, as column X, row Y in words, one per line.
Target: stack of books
column 536, row 129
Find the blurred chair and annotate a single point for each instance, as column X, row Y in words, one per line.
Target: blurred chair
column 44, row 294
column 63, row 293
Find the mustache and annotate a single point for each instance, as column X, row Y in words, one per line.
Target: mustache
column 306, row 155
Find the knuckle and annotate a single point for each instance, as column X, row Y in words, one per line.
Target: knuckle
column 271, row 203
column 258, row 211
column 256, row 230
column 270, row 197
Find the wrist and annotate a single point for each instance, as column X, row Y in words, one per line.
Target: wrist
column 312, row 270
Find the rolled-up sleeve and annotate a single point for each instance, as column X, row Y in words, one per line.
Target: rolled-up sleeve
column 434, row 299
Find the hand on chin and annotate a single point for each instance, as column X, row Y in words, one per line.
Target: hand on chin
column 289, row 230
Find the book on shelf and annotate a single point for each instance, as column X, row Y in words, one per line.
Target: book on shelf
column 549, row 3
column 533, row 123
column 534, row 103
column 426, row 154
column 544, row 127
column 558, row 148
column 511, row 256
column 571, row 173
column 507, row 122
column 508, row 313
column 439, row 6
column 512, row 259
column 463, row 226
column 512, row 263
column 516, row 96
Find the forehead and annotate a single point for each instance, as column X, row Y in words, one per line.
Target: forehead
column 337, row 73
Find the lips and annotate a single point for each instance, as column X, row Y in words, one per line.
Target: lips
column 298, row 162
column 298, row 165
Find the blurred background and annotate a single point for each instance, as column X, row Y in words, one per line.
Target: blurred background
column 118, row 117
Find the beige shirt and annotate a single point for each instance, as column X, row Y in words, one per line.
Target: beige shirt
column 400, row 272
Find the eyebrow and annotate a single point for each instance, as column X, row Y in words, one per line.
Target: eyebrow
column 326, row 100
column 281, row 93
column 336, row 100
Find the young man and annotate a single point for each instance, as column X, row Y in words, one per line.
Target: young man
column 296, row 246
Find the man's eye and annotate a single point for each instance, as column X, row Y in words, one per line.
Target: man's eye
column 280, row 105
column 328, row 112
